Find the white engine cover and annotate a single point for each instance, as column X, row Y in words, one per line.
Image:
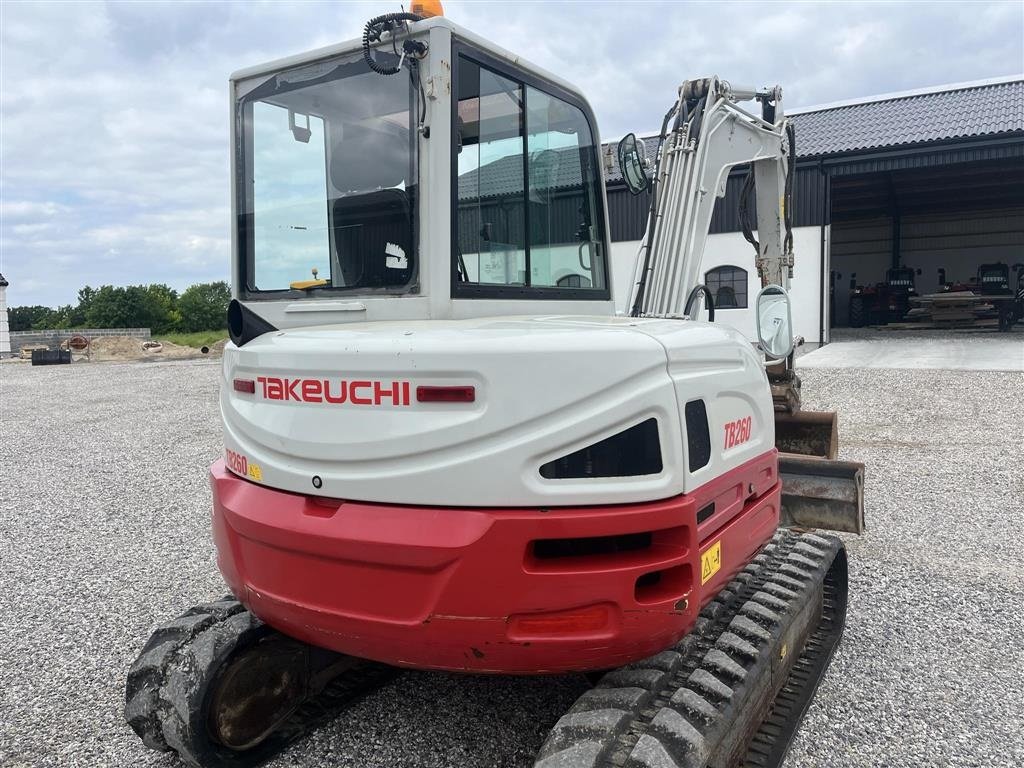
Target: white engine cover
column 545, row 387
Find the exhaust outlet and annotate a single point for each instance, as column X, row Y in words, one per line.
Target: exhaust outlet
column 244, row 325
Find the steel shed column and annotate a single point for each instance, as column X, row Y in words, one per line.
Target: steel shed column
column 826, row 261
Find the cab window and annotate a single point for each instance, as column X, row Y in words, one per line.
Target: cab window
column 529, row 221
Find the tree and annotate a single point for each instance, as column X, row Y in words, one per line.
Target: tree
column 30, row 318
column 108, row 308
column 135, row 306
column 78, row 313
column 203, row 307
column 63, row 317
column 156, row 306
column 161, row 308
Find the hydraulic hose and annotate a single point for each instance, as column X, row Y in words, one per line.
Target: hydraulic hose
column 743, row 212
column 692, row 298
column 790, row 176
column 652, row 219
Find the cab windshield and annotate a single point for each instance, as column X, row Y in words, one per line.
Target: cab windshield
column 326, row 180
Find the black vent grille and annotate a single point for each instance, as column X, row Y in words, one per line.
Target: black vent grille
column 634, row 451
column 698, row 438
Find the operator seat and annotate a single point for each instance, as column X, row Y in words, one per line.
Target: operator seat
column 372, row 217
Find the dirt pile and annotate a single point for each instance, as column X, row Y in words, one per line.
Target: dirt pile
column 128, row 348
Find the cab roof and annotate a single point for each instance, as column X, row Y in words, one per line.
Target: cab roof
column 309, row 57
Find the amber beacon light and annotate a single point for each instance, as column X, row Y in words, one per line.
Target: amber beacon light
column 427, row 8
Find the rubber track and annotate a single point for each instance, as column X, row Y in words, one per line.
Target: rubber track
column 149, row 672
column 702, row 702
column 171, row 669
column 772, row 741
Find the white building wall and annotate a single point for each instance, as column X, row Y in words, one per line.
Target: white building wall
column 5, row 329
column 730, row 249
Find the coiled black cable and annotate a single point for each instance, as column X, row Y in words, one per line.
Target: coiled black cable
column 374, row 31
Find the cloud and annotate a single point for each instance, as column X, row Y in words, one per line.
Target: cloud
column 114, row 147
column 25, row 209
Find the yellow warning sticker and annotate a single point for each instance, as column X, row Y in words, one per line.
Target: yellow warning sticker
column 255, row 472
column 710, row 561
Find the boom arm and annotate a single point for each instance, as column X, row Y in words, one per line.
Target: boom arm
column 709, row 135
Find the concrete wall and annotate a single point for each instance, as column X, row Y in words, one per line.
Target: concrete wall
column 732, row 250
column 53, row 339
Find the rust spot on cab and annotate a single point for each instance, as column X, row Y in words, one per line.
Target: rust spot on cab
column 477, row 652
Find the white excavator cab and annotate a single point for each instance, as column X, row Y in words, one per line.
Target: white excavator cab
column 436, row 177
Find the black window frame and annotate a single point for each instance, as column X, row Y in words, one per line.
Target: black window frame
column 714, row 292
column 244, row 225
column 462, row 290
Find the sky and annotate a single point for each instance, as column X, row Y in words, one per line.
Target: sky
column 114, row 116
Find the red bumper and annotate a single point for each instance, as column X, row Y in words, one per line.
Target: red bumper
column 487, row 590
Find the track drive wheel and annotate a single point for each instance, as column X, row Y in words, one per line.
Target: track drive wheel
column 222, row 689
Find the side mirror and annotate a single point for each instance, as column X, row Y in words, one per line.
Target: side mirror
column 633, row 163
column 774, row 322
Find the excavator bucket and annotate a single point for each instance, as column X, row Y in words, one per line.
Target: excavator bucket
column 822, row 493
column 818, row 490
column 807, row 433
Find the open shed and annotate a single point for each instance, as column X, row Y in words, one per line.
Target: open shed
column 931, row 179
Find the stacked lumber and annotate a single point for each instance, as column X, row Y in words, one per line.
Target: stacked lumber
column 956, row 309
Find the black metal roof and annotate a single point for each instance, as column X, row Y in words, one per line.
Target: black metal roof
column 957, row 112
column 891, row 133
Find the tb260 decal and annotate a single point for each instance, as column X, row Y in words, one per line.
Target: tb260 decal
column 737, row 432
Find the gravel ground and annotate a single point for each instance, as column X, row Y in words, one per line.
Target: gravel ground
column 104, row 511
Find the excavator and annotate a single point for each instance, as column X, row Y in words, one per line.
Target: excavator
column 446, row 449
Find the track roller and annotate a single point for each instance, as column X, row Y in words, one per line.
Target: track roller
column 221, row 688
column 733, row 691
